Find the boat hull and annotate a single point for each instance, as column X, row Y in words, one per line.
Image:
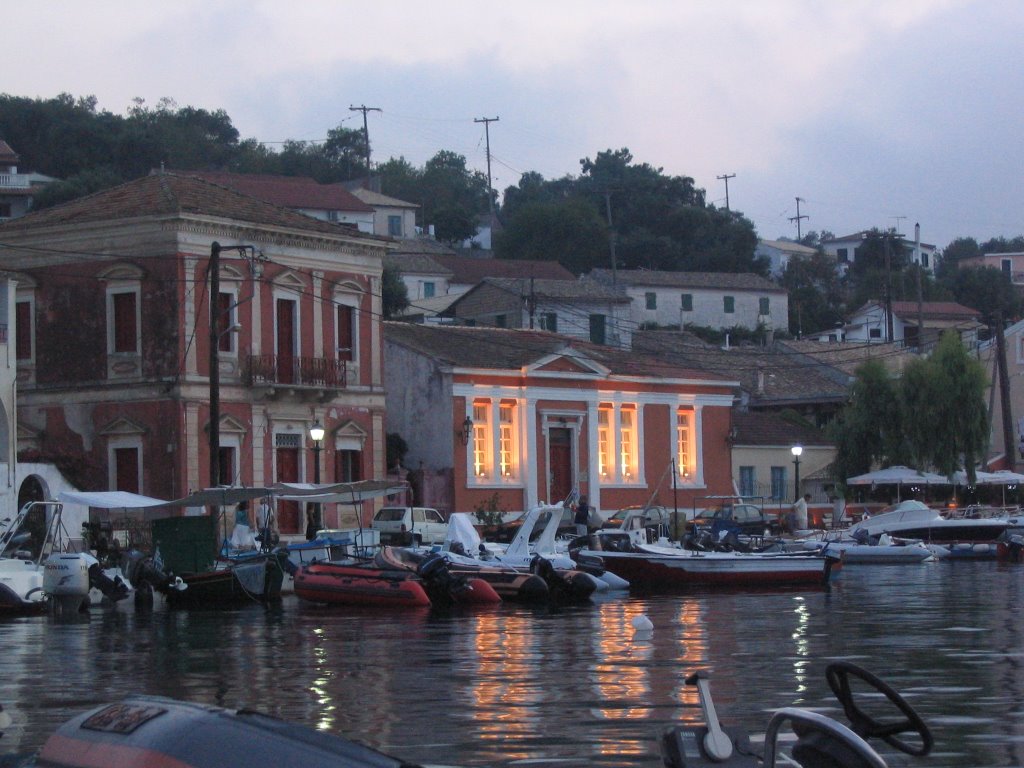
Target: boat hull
column 672, row 570
column 241, row 582
column 340, row 584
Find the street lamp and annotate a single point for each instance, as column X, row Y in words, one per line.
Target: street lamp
column 796, row 450
column 316, row 434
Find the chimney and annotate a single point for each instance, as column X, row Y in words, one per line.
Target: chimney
column 760, row 380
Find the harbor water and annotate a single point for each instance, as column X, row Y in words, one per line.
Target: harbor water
column 572, row 686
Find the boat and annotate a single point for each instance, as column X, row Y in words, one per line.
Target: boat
column 796, row 736
column 39, row 569
column 566, row 582
column 966, row 534
column 665, row 566
column 885, row 550
column 145, row 730
column 254, row 577
column 388, row 581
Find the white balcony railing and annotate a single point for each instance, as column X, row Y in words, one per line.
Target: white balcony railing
column 14, row 181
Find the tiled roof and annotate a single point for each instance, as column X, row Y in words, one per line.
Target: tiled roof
column 288, row 191
column 768, row 376
column 470, row 270
column 425, row 245
column 722, row 280
column 511, row 349
column 789, row 246
column 7, row 155
column 934, row 309
column 765, row 428
column 415, row 264
column 846, row 356
column 173, row 195
column 557, row 289
column 370, row 197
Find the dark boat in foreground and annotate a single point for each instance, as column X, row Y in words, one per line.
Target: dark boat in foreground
column 147, row 731
column 257, row 577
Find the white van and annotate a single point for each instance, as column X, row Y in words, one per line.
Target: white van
column 426, row 525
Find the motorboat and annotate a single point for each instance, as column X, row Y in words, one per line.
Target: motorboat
column 802, row 737
column 884, row 550
column 153, row 730
column 963, row 534
column 252, row 577
column 387, row 581
column 664, row 566
column 565, row 581
column 40, row 569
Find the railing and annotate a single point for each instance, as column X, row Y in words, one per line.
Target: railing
column 14, row 181
column 296, row 371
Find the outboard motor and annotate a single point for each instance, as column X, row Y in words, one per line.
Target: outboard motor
column 66, row 581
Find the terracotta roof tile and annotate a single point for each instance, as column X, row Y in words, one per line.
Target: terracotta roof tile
column 512, row 349
column 173, row 195
column 723, row 280
column 766, row 428
column 288, row 191
column 470, row 270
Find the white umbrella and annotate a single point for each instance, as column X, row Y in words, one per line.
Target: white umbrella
column 898, row 476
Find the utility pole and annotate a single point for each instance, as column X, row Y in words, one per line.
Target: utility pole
column 726, row 178
column 798, row 217
column 611, row 232
column 366, row 133
column 487, row 133
column 1010, row 446
column 887, row 241
column 920, row 292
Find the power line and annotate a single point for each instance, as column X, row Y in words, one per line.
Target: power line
column 725, row 178
column 487, row 132
column 366, row 131
column 798, row 217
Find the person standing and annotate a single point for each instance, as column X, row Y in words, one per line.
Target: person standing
column 582, row 517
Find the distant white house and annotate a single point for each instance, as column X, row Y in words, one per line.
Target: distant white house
column 871, row 322
column 844, row 250
column 16, row 189
column 720, row 300
column 780, row 253
column 391, row 217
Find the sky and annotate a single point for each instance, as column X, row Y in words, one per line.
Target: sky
column 874, row 114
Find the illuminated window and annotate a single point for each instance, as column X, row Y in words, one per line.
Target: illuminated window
column 482, row 439
column 506, row 440
column 684, row 433
column 605, row 462
column 627, row 442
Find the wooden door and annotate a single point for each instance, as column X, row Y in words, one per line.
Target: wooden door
column 288, row 472
column 560, row 463
column 286, row 341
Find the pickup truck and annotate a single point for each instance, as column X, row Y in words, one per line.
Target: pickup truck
column 410, row 525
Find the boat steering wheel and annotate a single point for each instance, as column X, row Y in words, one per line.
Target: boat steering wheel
column 865, row 726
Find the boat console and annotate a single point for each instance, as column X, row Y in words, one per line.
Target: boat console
column 821, row 742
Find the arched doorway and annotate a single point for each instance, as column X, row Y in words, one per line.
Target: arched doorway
column 32, row 490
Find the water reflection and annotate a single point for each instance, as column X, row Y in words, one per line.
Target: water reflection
column 576, row 686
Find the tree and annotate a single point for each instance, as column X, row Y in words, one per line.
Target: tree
column 868, row 429
column 394, row 294
column 988, row 290
column 569, row 231
column 958, row 250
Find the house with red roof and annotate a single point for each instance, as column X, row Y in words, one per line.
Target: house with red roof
column 505, row 419
column 16, row 189
column 117, row 346
column 910, row 321
column 326, row 202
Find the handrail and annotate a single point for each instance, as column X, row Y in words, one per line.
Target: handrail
column 297, row 371
column 817, row 722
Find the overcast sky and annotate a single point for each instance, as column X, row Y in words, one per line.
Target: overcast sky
column 875, row 114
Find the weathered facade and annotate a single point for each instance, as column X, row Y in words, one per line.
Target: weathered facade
column 114, row 347
column 511, row 418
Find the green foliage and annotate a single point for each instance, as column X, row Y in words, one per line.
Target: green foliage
column 569, row 231
column 489, row 512
column 935, row 417
column 394, row 294
column 988, row 290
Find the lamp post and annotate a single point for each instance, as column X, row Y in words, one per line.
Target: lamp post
column 796, row 450
column 316, row 434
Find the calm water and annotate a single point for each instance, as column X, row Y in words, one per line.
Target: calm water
column 513, row 685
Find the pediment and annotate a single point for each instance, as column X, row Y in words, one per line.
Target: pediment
column 568, row 360
column 290, row 280
column 123, row 426
column 121, row 271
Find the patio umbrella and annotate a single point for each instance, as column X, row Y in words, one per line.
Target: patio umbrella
column 1001, row 477
column 899, row 476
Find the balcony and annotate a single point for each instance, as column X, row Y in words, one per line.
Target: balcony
column 15, row 181
column 312, row 375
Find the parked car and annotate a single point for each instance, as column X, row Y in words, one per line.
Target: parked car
column 416, row 525
column 653, row 516
column 750, row 519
